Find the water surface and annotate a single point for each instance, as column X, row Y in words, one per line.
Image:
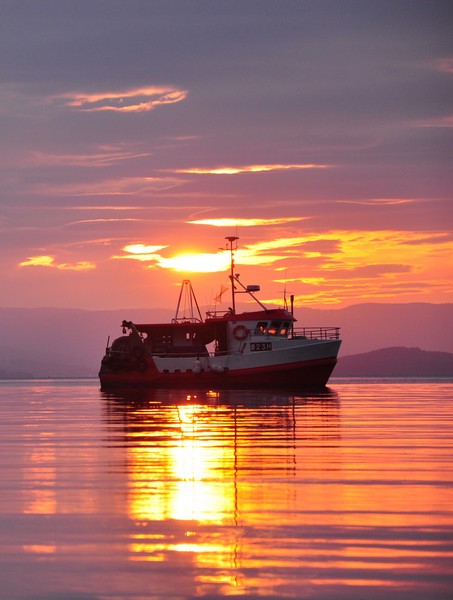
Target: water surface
column 346, row 493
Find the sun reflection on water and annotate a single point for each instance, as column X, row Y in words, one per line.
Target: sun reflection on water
column 201, row 461
column 180, row 480
column 183, row 479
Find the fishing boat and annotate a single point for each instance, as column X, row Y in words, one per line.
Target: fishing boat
column 261, row 348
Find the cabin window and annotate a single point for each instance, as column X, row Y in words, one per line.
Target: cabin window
column 274, row 328
column 191, row 336
column 260, row 328
column 284, row 329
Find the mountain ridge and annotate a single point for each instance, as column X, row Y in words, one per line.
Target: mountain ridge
column 396, row 361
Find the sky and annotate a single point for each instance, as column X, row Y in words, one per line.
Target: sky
column 135, row 136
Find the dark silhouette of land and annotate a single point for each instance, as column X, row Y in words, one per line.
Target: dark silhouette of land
column 396, row 362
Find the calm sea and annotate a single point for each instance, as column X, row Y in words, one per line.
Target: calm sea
column 183, row 494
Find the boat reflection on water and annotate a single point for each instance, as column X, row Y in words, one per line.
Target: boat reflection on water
column 127, row 397
column 214, row 474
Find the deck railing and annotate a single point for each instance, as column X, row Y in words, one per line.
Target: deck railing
column 316, row 333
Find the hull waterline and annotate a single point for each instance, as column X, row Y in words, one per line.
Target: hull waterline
column 310, row 373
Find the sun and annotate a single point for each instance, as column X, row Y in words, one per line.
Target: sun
column 197, row 262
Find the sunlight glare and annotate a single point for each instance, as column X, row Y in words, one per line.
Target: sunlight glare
column 197, row 263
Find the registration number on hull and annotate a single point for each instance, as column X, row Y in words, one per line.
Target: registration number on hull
column 260, row 346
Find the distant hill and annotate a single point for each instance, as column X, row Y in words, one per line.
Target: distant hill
column 370, row 326
column 396, row 362
column 50, row 342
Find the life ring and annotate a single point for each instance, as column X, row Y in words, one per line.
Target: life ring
column 240, row 332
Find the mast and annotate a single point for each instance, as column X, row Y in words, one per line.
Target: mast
column 232, row 239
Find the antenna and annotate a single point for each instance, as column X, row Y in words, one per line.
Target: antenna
column 232, row 239
column 285, row 302
column 235, row 278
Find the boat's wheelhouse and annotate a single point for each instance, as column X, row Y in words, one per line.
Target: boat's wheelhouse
column 272, row 328
column 233, row 332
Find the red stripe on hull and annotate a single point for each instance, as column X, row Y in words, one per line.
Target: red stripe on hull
column 306, row 373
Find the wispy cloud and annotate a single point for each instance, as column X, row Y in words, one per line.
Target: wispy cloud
column 104, row 157
column 141, row 252
column 49, row 261
column 231, row 222
column 112, row 220
column 445, row 121
column 380, row 201
column 126, row 101
column 234, row 170
column 142, row 248
column 124, row 186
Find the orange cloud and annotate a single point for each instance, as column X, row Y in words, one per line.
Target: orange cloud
column 360, row 266
column 337, row 291
column 134, row 100
column 248, row 169
column 38, row 261
column 49, row 261
column 79, row 266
